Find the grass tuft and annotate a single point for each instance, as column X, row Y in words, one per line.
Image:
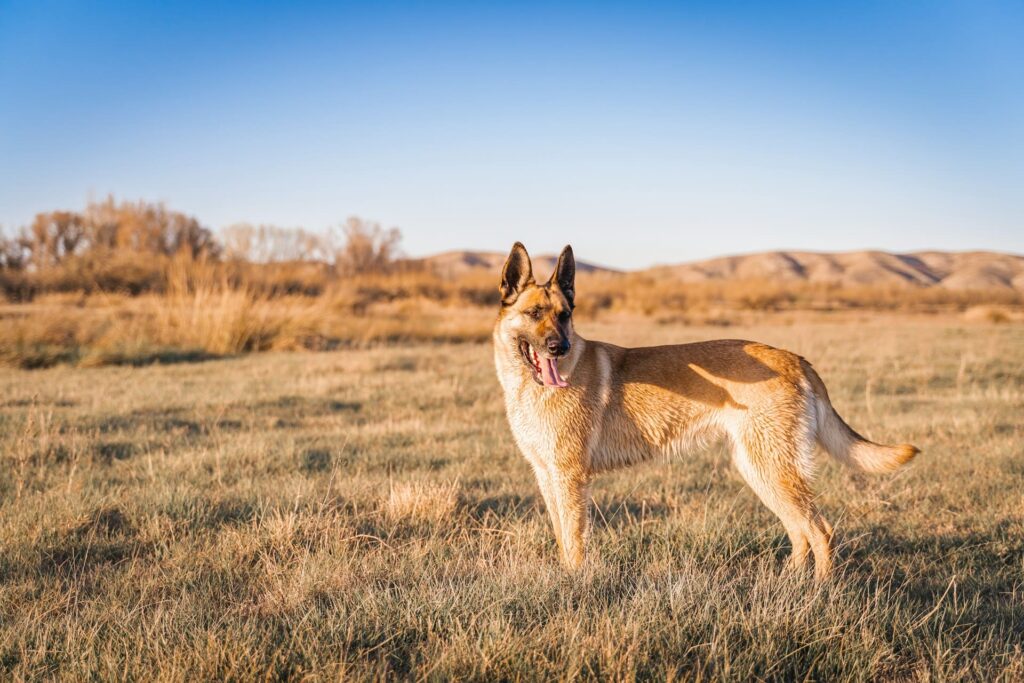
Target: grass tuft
column 422, row 502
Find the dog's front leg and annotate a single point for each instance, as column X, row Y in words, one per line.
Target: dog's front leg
column 572, row 492
column 547, row 491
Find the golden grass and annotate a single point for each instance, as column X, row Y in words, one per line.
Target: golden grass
column 295, row 516
column 422, row 502
column 992, row 314
column 211, row 309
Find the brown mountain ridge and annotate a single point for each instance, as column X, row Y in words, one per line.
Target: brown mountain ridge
column 968, row 270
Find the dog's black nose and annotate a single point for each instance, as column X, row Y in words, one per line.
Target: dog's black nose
column 558, row 347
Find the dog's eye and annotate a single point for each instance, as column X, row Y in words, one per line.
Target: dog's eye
column 533, row 313
column 564, row 315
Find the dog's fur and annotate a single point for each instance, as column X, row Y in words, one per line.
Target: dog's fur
column 624, row 406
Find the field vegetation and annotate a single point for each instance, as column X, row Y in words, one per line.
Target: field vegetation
column 364, row 513
column 175, row 507
column 134, row 283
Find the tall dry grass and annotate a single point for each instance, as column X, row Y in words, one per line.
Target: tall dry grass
column 133, row 282
column 204, row 313
column 203, row 310
column 209, row 308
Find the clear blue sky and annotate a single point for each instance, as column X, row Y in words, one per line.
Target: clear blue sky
column 640, row 132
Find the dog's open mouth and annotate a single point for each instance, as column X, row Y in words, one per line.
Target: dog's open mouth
column 545, row 370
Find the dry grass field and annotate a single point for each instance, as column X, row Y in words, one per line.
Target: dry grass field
column 363, row 513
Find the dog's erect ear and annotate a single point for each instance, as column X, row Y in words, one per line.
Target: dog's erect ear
column 516, row 275
column 565, row 275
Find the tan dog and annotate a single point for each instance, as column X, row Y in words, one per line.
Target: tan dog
column 579, row 407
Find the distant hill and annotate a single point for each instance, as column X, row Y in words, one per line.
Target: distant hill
column 952, row 270
column 971, row 270
column 456, row 263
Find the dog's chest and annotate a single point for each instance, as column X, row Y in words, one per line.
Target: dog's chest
column 546, row 423
column 539, row 423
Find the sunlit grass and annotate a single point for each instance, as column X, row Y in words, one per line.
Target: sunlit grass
column 365, row 513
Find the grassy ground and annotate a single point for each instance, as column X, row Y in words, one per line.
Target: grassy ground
column 364, row 513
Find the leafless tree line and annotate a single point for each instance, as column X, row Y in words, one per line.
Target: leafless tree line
column 143, row 229
column 356, row 247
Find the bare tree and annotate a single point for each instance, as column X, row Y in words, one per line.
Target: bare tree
column 368, row 248
column 272, row 244
column 53, row 237
column 139, row 227
column 148, row 228
column 14, row 255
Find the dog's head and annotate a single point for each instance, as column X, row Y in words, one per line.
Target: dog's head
column 537, row 319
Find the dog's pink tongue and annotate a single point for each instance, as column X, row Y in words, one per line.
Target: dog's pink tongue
column 549, row 373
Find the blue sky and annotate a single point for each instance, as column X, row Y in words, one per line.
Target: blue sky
column 640, row 132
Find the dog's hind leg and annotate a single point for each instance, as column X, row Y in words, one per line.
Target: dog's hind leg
column 770, row 466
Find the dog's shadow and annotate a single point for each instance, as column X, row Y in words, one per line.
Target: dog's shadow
column 615, row 515
column 506, row 505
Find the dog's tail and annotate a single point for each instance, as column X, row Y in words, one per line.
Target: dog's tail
column 846, row 445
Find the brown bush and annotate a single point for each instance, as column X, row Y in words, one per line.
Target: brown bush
column 989, row 314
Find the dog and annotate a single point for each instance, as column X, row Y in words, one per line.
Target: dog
column 578, row 408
